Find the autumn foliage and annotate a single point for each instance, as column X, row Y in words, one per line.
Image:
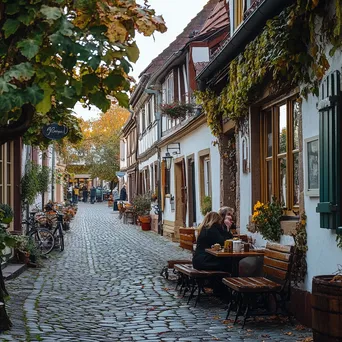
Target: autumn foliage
column 99, row 151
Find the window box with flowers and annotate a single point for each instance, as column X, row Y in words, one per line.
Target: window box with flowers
column 177, row 110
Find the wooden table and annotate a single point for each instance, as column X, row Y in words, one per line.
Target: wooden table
column 236, row 257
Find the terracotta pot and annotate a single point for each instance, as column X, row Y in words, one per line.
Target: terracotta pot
column 145, row 222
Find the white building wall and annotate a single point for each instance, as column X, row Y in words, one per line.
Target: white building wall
column 197, row 140
column 323, row 255
column 148, row 162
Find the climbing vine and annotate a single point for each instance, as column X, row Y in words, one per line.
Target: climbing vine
column 289, row 51
column 299, row 268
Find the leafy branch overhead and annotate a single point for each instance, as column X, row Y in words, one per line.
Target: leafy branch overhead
column 59, row 52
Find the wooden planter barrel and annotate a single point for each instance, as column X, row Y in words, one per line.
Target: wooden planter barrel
column 326, row 309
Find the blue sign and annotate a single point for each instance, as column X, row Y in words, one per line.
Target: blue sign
column 55, row 131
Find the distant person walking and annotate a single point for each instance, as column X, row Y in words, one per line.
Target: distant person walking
column 116, row 197
column 123, row 193
column 85, row 194
column 92, row 195
column 76, row 194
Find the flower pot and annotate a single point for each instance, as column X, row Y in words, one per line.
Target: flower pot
column 145, row 222
column 7, row 220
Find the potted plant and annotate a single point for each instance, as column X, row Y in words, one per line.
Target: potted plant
column 7, row 213
column 206, row 205
column 142, row 208
column 26, row 250
column 266, row 218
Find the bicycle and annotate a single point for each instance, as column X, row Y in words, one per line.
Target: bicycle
column 58, row 231
column 42, row 237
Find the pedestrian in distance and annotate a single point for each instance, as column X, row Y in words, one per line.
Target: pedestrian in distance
column 85, row 194
column 92, row 195
column 123, row 193
column 76, row 194
column 116, row 197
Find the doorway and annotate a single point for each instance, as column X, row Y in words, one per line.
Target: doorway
column 192, row 191
column 180, row 193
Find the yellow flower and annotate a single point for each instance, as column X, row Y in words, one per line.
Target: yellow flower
column 303, row 222
column 258, row 205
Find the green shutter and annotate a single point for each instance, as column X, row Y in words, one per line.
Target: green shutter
column 330, row 149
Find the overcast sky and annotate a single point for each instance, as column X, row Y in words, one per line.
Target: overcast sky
column 177, row 14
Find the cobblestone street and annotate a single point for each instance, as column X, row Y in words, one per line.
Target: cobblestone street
column 106, row 286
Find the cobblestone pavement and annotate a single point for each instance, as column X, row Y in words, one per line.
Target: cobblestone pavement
column 106, row 286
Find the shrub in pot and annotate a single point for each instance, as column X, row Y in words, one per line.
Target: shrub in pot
column 142, row 208
column 7, row 213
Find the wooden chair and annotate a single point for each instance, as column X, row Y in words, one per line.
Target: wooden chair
column 192, row 279
column 252, row 292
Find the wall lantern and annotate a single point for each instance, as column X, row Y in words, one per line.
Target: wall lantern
column 167, row 159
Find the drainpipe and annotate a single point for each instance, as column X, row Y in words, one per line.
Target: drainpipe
column 159, row 129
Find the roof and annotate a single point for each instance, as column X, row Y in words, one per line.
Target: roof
column 218, row 19
column 193, row 28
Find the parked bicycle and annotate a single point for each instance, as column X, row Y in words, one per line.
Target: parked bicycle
column 42, row 237
column 57, row 228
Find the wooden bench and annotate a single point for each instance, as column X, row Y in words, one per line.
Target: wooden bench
column 170, row 265
column 248, row 291
column 193, row 279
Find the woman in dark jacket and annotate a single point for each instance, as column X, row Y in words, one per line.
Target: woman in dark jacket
column 209, row 235
column 228, row 226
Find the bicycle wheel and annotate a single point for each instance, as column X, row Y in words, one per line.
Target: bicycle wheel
column 43, row 239
column 60, row 236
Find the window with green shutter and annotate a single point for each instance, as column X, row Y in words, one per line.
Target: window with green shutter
column 329, row 108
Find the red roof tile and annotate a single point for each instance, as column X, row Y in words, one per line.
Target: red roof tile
column 219, row 18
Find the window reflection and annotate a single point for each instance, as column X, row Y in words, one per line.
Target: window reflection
column 296, row 113
column 282, row 128
column 282, row 182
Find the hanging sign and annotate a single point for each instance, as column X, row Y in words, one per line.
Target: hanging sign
column 55, row 131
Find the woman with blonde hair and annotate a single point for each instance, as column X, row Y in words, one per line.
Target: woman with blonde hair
column 209, row 234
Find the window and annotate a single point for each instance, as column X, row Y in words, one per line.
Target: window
column 168, row 89
column 207, row 190
column 204, row 173
column 238, row 12
column 6, row 173
column 280, row 153
column 142, row 120
column 149, row 111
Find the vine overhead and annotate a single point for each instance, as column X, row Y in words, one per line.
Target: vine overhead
column 54, row 53
column 289, row 51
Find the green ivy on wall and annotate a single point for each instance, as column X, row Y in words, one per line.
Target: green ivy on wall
column 290, row 51
column 35, row 181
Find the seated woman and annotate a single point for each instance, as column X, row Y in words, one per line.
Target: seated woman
column 228, row 227
column 209, row 234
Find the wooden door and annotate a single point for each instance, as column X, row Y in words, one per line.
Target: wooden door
column 191, row 191
column 180, row 194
